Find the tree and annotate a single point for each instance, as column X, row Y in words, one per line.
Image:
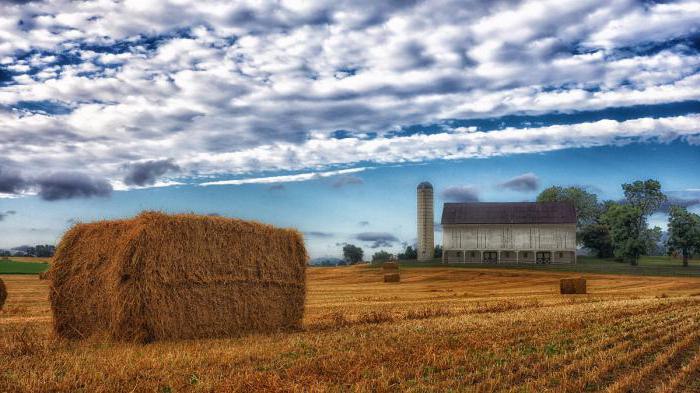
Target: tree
column 596, row 237
column 684, row 232
column 381, row 256
column 645, row 197
column 438, row 251
column 352, row 253
column 586, row 204
column 44, row 250
column 652, row 241
column 625, row 231
column 410, row 253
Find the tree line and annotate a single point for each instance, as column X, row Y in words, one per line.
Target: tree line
column 620, row 229
column 39, row 250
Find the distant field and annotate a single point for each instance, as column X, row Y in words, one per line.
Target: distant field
column 13, row 266
column 440, row 329
column 648, row 266
column 27, row 259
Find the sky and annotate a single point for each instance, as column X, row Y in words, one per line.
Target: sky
column 325, row 115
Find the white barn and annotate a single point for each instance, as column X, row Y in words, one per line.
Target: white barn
column 512, row 232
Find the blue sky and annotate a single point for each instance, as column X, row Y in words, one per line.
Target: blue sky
column 324, row 116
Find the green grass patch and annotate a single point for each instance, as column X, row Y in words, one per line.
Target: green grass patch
column 648, row 266
column 8, row 266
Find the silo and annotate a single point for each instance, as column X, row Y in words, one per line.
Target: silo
column 426, row 241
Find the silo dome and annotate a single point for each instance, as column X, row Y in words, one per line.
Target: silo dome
column 425, row 185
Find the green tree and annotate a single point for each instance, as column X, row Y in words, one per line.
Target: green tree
column 352, row 253
column 586, row 203
column 438, row 251
column 409, row 253
column 652, row 241
column 645, row 197
column 381, row 256
column 625, row 231
column 684, row 232
column 596, row 237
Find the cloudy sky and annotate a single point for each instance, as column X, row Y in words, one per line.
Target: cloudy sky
column 325, row 115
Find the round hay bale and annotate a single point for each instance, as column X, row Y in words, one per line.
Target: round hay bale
column 44, row 275
column 3, row 293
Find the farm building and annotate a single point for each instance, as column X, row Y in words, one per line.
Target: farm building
column 512, row 232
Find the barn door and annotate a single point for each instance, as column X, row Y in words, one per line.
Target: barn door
column 544, row 257
column 490, row 256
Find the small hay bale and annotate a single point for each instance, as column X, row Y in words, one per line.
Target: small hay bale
column 44, row 275
column 167, row 277
column 568, row 286
column 392, row 277
column 3, row 294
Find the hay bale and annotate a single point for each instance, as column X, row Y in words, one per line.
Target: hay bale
column 391, row 272
column 393, row 277
column 569, row 286
column 44, row 275
column 162, row 277
column 3, row 294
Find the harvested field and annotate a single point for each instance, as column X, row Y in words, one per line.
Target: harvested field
column 442, row 329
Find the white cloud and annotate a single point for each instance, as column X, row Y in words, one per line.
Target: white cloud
column 284, row 178
column 232, row 88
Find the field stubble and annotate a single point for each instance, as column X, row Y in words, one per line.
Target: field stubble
column 440, row 329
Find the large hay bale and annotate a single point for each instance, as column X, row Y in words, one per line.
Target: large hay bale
column 393, row 277
column 159, row 276
column 569, row 286
column 3, row 294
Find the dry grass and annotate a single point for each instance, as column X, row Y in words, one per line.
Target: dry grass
column 162, row 277
column 441, row 329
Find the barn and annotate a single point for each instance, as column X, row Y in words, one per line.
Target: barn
column 510, row 232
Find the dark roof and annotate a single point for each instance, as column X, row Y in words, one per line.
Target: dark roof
column 425, row 184
column 509, row 213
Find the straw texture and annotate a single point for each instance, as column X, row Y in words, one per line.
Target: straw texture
column 568, row 286
column 162, row 277
column 3, row 293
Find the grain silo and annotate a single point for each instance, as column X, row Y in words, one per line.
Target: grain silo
column 426, row 241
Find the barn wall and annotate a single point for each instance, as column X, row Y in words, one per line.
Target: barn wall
column 510, row 237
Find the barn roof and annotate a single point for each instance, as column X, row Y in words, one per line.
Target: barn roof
column 509, row 213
